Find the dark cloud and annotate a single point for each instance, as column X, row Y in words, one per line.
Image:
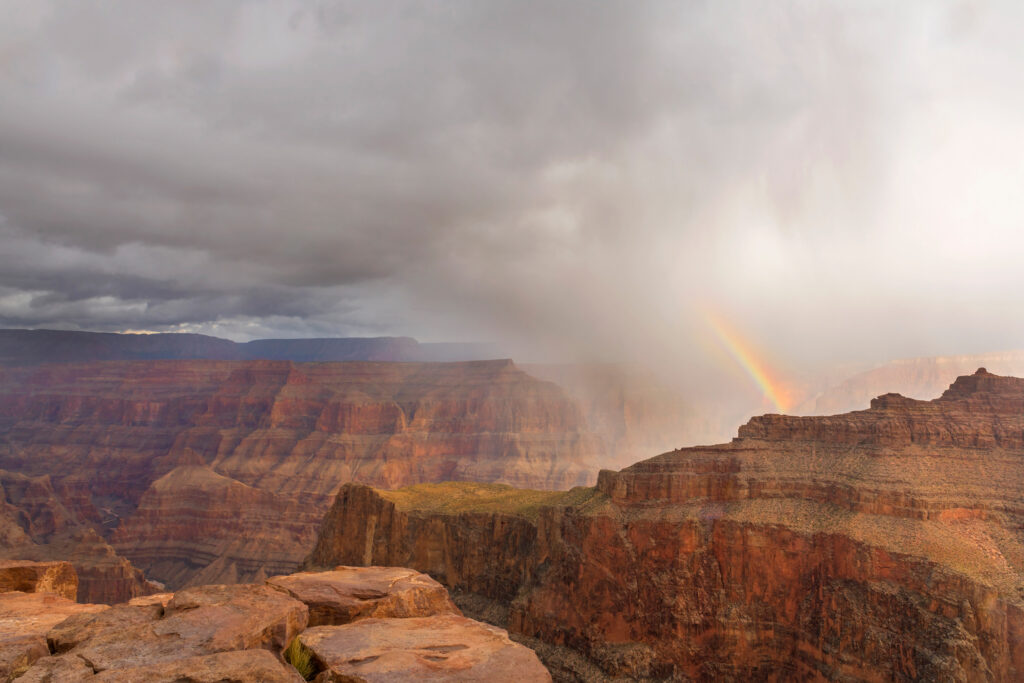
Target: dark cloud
column 571, row 177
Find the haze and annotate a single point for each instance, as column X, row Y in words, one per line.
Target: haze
column 839, row 182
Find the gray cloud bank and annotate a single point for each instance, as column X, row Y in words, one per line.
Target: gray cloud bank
column 838, row 180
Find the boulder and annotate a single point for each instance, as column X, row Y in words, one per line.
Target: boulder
column 24, row 620
column 440, row 648
column 349, row 593
column 196, row 622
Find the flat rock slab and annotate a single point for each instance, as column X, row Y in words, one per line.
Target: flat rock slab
column 155, row 599
column 25, row 619
column 80, row 628
column 348, row 593
column 439, row 648
column 196, row 622
column 26, row 576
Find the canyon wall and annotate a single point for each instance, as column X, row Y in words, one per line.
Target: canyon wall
column 885, row 544
column 213, row 471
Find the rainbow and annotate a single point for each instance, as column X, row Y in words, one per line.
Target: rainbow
column 746, row 358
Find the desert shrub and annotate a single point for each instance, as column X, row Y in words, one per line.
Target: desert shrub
column 300, row 658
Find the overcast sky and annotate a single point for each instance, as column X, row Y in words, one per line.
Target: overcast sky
column 838, row 181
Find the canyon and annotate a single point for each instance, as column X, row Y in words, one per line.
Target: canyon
column 220, row 471
column 881, row 544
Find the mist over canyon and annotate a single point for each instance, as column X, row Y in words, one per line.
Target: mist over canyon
column 491, row 340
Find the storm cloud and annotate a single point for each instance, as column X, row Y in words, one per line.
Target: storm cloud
column 571, row 179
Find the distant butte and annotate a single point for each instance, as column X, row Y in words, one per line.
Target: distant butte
column 881, row 544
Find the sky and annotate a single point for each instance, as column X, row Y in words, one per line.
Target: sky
column 836, row 181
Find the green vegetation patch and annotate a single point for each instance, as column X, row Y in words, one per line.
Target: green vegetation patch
column 455, row 497
column 301, row 659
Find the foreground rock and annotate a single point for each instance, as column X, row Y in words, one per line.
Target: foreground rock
column 26, row 576
column 439, row 648
column 196, row 622
column 25, row 618
column 884, row 544
column 221, row 634
column 349, row 593
column 237, row 666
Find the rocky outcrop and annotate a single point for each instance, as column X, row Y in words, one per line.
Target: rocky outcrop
column 346, row 594
column 921, row 378
column 246, row 632
column 195, row 623
column 448, row 648
column 884, row 544
column 220, row 471
column 25, row 576
column 25, row 618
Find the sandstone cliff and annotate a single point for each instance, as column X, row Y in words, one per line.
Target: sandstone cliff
column 212, row 471
column 884, row 544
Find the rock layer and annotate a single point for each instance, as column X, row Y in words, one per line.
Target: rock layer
column 884, row 544
column 184, row 458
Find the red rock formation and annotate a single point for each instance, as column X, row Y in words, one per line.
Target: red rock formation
column 121, row 443
column 35, row 525
column 885, row 544
column 922, row 378
column 58, row 578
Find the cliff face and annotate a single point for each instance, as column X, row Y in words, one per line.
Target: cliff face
column 885, row 544
column 216, row 470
